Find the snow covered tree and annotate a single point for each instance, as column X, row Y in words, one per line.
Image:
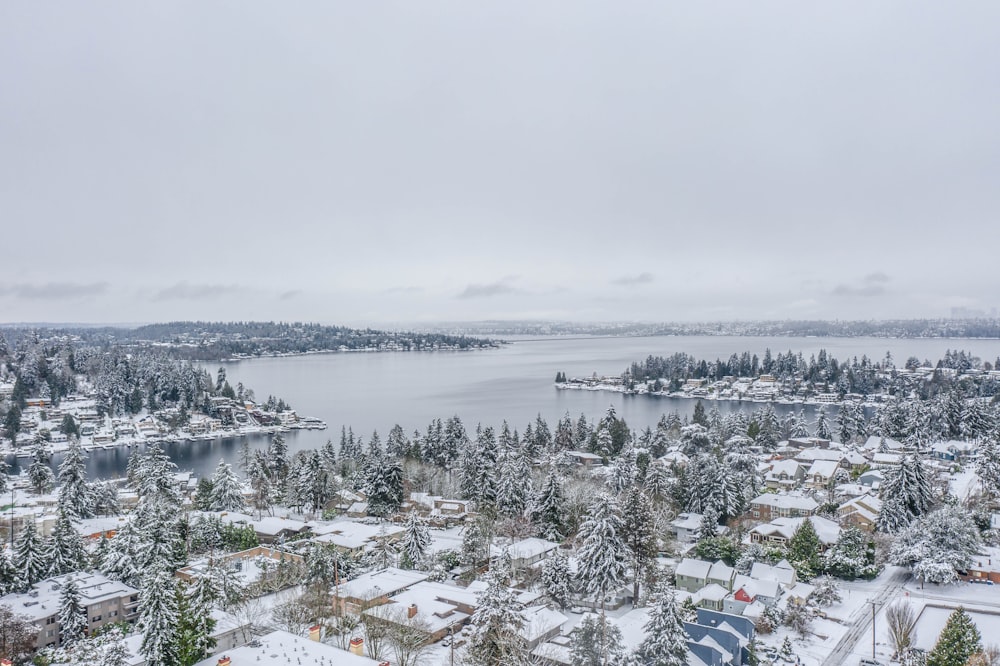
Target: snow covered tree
column 107, row 648
column 556, row 579
column 988, row 467
column 959, row 640
column 823, row 430
column 549, row 511
column 804, row 550
column 260, row 483
column 29, row 556
column 39, row 473
column 906, row 495
column 601, row 558
column 826, row 592
column 665, row 643
column 852, row 556
column 383, row 485
column 195, row 626
column 75, row 497
column 596, row 642
column 8, row 574
column 415, row 542
column 495, row 626
column 227, row 493
column 637, row 532
column 513, row 484
column 785, row 652
column 72, row 615
column 122, row 559
column 937, row 545
column 17, row 636
column 65, row 552
column 159, row 620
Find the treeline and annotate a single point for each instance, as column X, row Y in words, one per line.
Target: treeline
column 863, row 376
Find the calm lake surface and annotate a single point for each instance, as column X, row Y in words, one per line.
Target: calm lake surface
column 374, row 391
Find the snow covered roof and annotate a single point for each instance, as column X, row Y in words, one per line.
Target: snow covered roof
column 388, row 581
column 824, row 468
column 874, row 442
column 42, row 600
column 687, row 521
column 352, row 535
column 524, row 549
column 812, row 455
column 721, row 571
column 761, row 571
column 281, row 647
column 712, row 592
column 538, row 621
column 779, row 467
column 693, row 568
column 754, row 587
column 434, row 612
column 827, row 530
column 786, row 501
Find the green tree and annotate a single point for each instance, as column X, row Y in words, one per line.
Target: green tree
column 12, row 423
column 959, row 640
column 699, row 415
column 804, row 549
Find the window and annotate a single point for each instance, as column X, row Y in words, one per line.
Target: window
column 96, row 618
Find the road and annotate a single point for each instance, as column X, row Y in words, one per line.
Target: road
column 861, row 619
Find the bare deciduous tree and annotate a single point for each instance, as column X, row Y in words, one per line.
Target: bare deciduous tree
column 902, row 621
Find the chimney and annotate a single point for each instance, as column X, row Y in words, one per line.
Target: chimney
column 358, row 646
column 411, row 612
column 314, row 633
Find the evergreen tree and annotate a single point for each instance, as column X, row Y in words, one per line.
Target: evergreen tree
column 823, row 430
column 988, row 467
column 75, row 498
column 906, row 495
column 549, row 511
column 496, row 623
column 195, row 625
column 159, row 620
column 227, row 493
column 556, row 579
column 785, row 652
column 29, row 556
column 72, row 615
column 8, row 574
column 383, row 486
column 596, row 642
column 938, row 545
column 637, row 513
column 513, row 484
column 851, row 556
column 665, row 643
column 122, row 559
column 602, row 554
column 65, row 552
column 415, row 542
column 39, row 473
column 804, row 550
column 959, row 640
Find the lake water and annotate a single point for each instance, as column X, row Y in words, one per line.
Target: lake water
column 369, row 391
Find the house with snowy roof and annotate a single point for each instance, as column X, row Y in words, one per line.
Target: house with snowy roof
column 686, row 526
column 887, row 460
column 692, row 575
column 785, row 474
column 281, row 647
column 821, row 473
column 875, row 443
column 954, row 450
column 747, row 590
column 783, row 572
column 720, row 638
column 526, row 552
column 860, row 512
column 786, row 505
column 780, row 531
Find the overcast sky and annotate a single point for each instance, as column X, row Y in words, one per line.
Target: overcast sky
column 417, row 161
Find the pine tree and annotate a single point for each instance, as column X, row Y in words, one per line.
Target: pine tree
column 29, row 556
column 122, row 560
column 804, row 550
column 906, row 495
column 195, row 626
column 496, row 623
column 416, row 540
column 159, row 620
column 556, row 579
column 72, row 615
column 937, row 545
column 65, row 552
column 602, row 555
column 39, row 473
column 596, row 642
column 666, row 641
column 638, row 534
column 959, row 640
column 823, row 425
column 549, row 508
column 383, row 485
column 8, row 574
column 988, row 467
column 75, row 497
column 785, row 652
column 850, row 557
column 227, row 493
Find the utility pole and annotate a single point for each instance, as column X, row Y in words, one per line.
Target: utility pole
column 873, row 629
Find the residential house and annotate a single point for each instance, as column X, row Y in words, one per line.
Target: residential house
column 747, row 590
column 886, row 460
column 784, row 474
column 768, row 506
column 374, row 588
column 686, row 526
column 526, row 552
column 780, row 530
column 585, row 459
column 783, row 572
column 954, row 450
column 982, row 569
column 692, row 575
column 822, row 473
column 281, row 647
column 106, row 602
column 720, row 638
column 860, row 512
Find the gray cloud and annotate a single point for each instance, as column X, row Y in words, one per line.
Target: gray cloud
column 877, row 276
column 185, row 291
column 55, row 291
column 630, row 280
column 865, row 291
column 289, row 295
column 488, row 290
